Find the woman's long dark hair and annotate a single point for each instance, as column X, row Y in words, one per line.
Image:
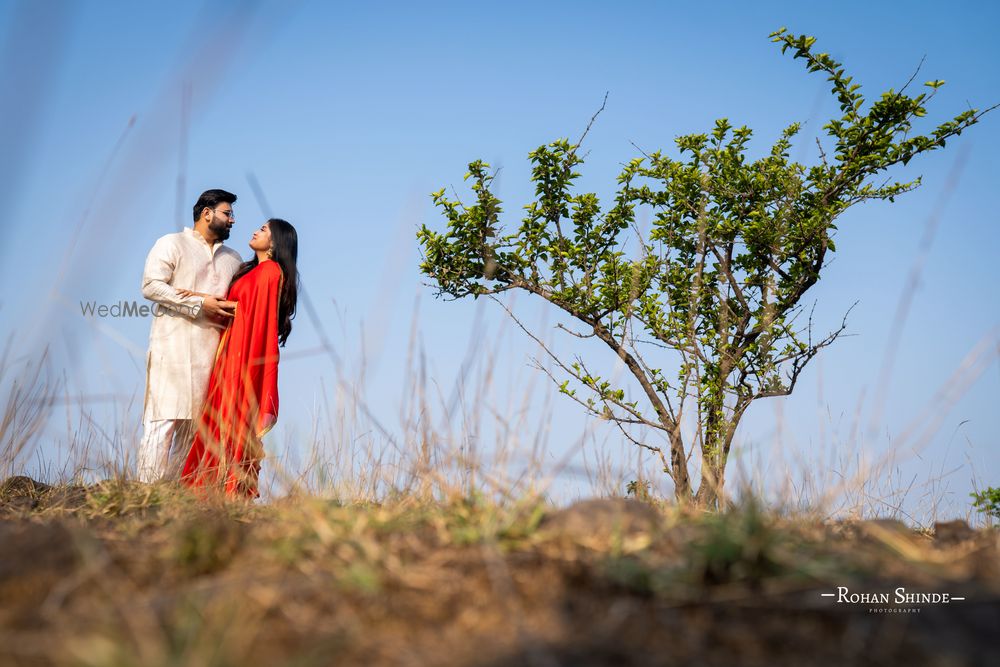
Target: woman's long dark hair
column 285, row 251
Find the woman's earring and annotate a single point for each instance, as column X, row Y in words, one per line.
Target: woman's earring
column 270, row 253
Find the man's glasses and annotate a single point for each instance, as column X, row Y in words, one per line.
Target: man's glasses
column 228, row 214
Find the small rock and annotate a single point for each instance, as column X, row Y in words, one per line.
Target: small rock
column 20, row 486
column 602, row 519
column 893, row 533
column 21, row 504
column 952, row 532
column 891, row 525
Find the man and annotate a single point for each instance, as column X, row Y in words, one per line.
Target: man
column 185, row 331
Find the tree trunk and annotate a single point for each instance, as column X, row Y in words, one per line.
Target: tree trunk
column 678, row 465
column 710, row 486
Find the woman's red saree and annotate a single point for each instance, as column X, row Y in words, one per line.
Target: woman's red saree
column 242, row 400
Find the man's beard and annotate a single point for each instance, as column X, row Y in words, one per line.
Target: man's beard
column 219, row 228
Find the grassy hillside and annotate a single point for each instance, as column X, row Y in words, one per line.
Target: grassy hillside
column 120, row 573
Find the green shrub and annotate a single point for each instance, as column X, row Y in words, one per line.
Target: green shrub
column 987, row 502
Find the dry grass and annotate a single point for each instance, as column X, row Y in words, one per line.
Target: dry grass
column 120, row 573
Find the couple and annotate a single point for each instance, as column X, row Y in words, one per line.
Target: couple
column 212, row 366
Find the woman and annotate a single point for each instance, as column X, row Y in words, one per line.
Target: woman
column 242, row 400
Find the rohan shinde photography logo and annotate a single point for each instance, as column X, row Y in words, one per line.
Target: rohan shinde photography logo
column 134, row 309
column 888, row 602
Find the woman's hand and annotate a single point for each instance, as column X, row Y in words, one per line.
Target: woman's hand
column 215, row 307
column 186, row 293
column 219, row 308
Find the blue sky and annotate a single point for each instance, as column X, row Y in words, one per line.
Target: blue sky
column 348, row 115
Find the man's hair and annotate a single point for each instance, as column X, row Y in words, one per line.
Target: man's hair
column 211, row 199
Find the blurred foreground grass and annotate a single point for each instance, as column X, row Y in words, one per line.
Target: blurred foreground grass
column 121, row 573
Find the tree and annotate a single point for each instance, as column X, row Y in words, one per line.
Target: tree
column 735, row 245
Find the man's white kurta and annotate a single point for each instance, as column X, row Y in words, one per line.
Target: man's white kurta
column 182, row 340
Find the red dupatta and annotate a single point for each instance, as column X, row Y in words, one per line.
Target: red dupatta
column 242, row 400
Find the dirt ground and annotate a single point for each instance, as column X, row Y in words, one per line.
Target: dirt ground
column 124, row 574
